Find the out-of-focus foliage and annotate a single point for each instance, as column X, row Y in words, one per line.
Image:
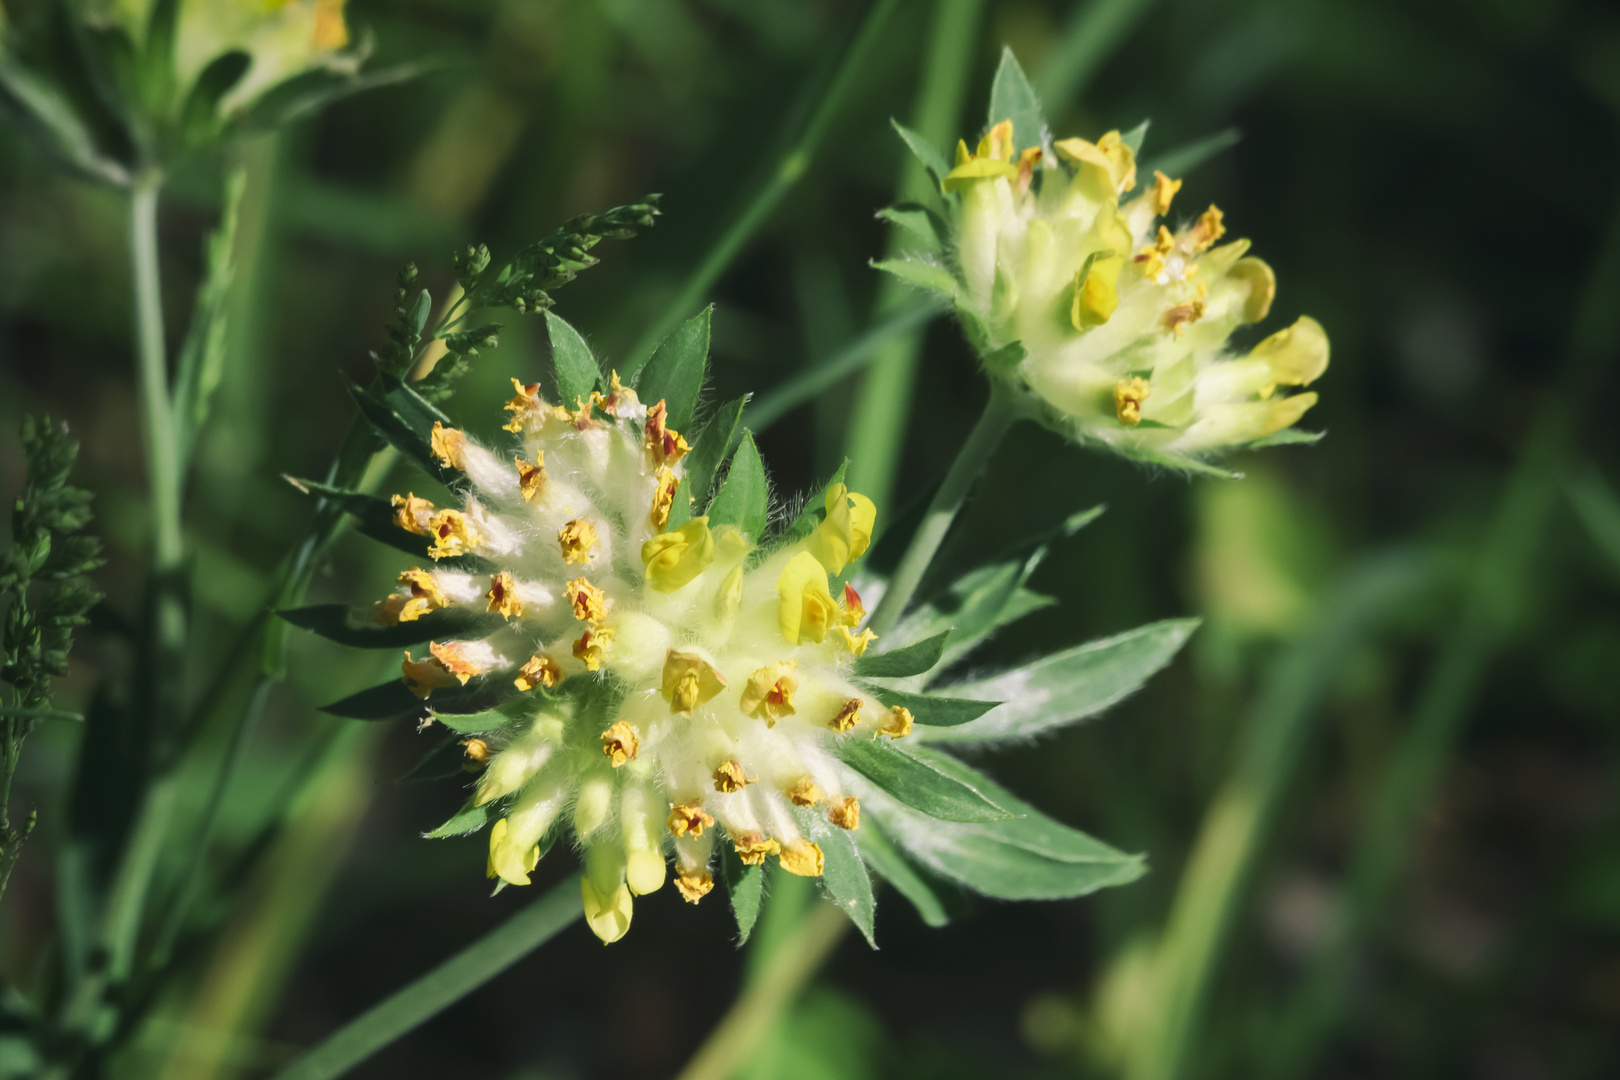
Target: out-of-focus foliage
column 1436, row 183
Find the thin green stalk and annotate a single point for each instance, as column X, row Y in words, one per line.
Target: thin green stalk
column 158, row 430
column 751, row 1017
column 999, row 413
column 782, row 179
column 1499, row 579
column 877, row 426
column 1241, row 815
column 442, row 987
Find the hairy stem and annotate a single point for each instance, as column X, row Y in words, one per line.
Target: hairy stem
column 999, row 413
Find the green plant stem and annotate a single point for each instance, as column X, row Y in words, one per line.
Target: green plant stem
column 751, row 1017
column 442, row 987
column 878, row 422
column 787, row 173
column 1240, row 817
column 1499, row 579
column 158, row 430
column 999, row 413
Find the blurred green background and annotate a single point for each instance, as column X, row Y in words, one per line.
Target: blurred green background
column 1404, row 801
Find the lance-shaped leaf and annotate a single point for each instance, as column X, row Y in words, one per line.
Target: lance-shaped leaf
column 709, row 449
column 522, row 707
column 405, row 421
column 880, row 855
column 335, row 622
column 390, row 700
column 374, row 517
column 577, row 370
column 674, row 373
column 899, row 663
column 926, row 153
column 1028, row 857
column 746, row 887
column 468, row 819
column 924, row 275
column 920, row 223
column 441, row 763
column 844, row 876
column 1070, row 685
column 919, row 784
column 932, row 711
column 743, row 500
column 1012, row 98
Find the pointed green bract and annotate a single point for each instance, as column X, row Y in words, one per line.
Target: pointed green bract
column 674, row 374
column 576, row 368
column 924, row 275
column 880, row 855
column 921, row 223
column 710, row 446
column 899, row 663
column 1071, row 685
column 846, row 881
column 1012, row 98
column 926, row 153
column 743, row 500
column 468, row 819
column 918, row 783
column 746, row 887
column 1134, row 137
column 335, row 623
column 931, row 711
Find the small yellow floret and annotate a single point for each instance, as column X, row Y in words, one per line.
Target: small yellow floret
column 531, row 477
column 1262, row 283
column 424, row 676
column 449, row 445
column 452, row 534
column 426, row 595
column 769, row 692
column 693, row 885
column 1107, row 167
column 539, row 670
column 1128, row 397
column 592, row 646
column 664, row 444
column 1177, row 317
column 1096, row 296
column 525, row 403
column 1208, row 229
column 413, row 514
column 330, row 32
column 1164, row 189
column 806, row 792
column 507, row 860
column 898, row 725
column 847, row 716
column 752, row 848
column 476, row 751
column 454, row 656
column 845, row 813
column 689, row 681
column 846, row 532
column 587, row 601
column 676, row 557
column 608, row 915
column 1296, row 356
column 857, row 643
column 503, row 596
column 806, row 611
column 663, row 498
column 688, row 819
column 802, row 858
column 620, row 743
column 578, row 540
column 729, row 776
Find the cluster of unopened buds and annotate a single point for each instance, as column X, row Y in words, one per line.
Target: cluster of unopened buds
column 677, row 682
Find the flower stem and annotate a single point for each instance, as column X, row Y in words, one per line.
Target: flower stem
column 999, row 413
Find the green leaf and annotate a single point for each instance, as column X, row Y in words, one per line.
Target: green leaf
column 931, row 711
column 1286, row 437
column 1028, row 857
column 405, row 421
column 915, row 782
column 1133, row 138
column 522, row 707
column 391, row 700
column 879, row 854
column 680, row 507
column 335, row 622
column 1070, row 685
column 1012, row 98
column 927, row 155
column 846, row 881
column 469, row 819
column 710, row 447
column 919, row 222
column 577, row 370
column 924, row 275
column 743, row 500
column 441, row 763
column 375, row 518
column 675, row 372
column 746, row 886
column 199, row 117
column 899, row 663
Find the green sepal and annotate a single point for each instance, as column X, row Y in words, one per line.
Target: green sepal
column 924, row 275
column 575, row 365
column 469, row 819
column 334, row 623
column 744, row 498
column 926, row 153
column 391, row 700
column 746, row 887
column 919, row 222
column 931, row 711
column 674, row 374
column 843, row 877
column 709, row 448
column 1286, row 437
column 915, row 782
column 900, row 663
column 884, row 860
column 1012, row 98
column 523, row 707
column 1072, row 685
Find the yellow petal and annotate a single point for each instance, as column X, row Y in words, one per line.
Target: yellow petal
column 806, row 611
column 1297, row 356
column 674, row 558
column 607, row 916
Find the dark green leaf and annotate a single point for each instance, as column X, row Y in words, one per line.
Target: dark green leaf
column 891, row 865
column 710, row 447
column 1012, row 98
column 441, row 763
column 846, row 881
column 674, row 374
column 468, row 819
column 403, row 430
column 335, row 622
column 743, row 500
column 931, row 711
column 909, row 660
column 916, row 782
column 1070, row 685
column 199, row 117
column 746, row 886
column 926, row 153
column 391, row 700
column 577, row 370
